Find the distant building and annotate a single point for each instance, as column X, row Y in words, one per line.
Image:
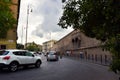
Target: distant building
column 48, row 45
column 78, row 45
column 40, row 47
column 11, row 40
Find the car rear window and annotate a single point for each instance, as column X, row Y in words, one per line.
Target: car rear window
column 51, row 53
column 4, row 52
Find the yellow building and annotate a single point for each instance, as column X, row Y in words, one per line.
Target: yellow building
column 48, row 45
column 11, row 39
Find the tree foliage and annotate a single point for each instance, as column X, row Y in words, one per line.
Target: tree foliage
column 33, row 48
column 98, row 19
column 7, row 21
column 20, row 46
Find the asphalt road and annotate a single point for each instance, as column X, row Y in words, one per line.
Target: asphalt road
column 64, row 69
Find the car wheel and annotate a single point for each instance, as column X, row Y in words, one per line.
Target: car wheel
column 1, row 69
column 37, row 64
column 47, row 59
column 13, row 66
column 57, row 59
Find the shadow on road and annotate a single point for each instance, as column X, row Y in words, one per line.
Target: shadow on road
column 29, row 68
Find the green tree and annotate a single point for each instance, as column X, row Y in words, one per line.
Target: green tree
column 32, row 48
column 7, row 21
column 98, row 19
column 20, row 46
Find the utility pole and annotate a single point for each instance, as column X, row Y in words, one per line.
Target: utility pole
column 51, row 39
column 27, row 25
column 28, row 7
column 22, row 36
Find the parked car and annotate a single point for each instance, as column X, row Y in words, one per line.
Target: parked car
column 52, row 56
column 14, row 58
column 46, row 53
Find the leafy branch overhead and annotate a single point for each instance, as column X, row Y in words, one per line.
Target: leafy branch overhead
column 97, row 16
column 98, row 19
column 7, row 20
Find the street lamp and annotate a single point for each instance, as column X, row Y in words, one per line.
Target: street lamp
column 22, row 35
column 28, row 10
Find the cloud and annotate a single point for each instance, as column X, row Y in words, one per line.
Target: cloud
column 51, row 11
column 42, row 23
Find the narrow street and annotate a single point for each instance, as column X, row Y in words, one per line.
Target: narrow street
column 64, row 69
column 85, row 32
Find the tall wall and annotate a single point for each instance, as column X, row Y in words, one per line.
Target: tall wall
column 78, row 45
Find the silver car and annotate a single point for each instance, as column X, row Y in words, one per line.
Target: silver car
column 52, row 56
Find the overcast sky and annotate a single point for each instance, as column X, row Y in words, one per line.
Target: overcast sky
column 42, row 21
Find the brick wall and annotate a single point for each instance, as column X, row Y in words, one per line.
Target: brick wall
column 80, row 46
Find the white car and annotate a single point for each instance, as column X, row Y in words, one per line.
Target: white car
column 52, row 56
column 14, row 58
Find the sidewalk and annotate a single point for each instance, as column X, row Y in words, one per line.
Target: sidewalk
column 87, row 60
column 91, row 61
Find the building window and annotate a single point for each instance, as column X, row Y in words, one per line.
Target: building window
column 79, row 43
column 76, row 42
column 3, row 47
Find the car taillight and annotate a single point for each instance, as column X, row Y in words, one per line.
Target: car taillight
column 6, row 58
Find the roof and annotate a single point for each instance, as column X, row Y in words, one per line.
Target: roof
column 66, row 36
column 11, row 50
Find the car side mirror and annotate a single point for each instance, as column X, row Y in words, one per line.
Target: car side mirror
column 33, row 55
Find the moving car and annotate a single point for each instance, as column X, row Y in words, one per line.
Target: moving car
column 52, row 56
column 14, row 58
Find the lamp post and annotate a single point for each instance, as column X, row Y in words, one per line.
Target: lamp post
column 22, row 35
column 28, row 10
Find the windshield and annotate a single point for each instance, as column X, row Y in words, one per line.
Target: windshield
column 4, row 52
column 51, row 53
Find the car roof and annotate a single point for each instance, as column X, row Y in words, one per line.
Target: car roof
column 53, row 51
column 12, row 50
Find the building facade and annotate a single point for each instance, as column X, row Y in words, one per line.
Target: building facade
column 11, row 40
column 78, row 45
column 48, row 45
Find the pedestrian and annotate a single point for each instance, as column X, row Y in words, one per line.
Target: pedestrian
column 60, row 55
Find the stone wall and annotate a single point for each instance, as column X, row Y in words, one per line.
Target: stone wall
column 76, row 44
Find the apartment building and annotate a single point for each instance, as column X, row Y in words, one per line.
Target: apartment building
column 11, row 40
column 48, row 45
